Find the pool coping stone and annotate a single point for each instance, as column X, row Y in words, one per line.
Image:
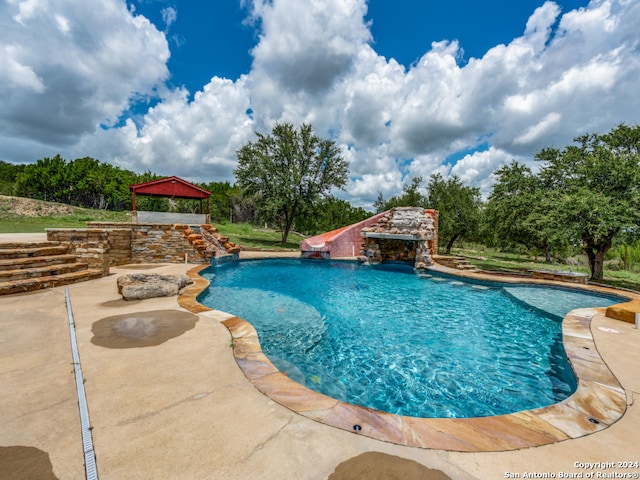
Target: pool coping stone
column 598, row 402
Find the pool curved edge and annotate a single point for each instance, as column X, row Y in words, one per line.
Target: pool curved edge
column 598, row 402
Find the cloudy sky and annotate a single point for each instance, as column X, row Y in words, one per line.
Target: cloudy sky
column 406, row 88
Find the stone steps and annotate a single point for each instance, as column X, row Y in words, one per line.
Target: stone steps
column 33, row 284
column 466, row 266
column 35, row 262
column 26, row 267
column 32, row 251
column 459, row 263
column 43, row 271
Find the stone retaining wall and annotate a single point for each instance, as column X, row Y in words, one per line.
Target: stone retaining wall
column 91, row 247
column 154, row 243
column 111, row 244
column 571, row 277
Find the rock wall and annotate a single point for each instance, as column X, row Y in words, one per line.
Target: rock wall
column 111, row 244
column 416, row 222
column 152, row 243
column 91, row 247
column 119, row 238
column 157, row 243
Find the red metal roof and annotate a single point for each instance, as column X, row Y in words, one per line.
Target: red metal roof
column 169, row 187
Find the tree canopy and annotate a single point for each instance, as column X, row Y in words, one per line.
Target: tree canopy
column 458, row 207
column 289, row 171
column 330, row 214
column 596, row 189
column 84, row 182
column 520, row 211
column 411, row 197
column 584, row 194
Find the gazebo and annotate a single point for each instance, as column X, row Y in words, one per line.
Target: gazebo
column 170, row 187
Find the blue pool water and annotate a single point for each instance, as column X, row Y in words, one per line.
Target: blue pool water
column 412, row 344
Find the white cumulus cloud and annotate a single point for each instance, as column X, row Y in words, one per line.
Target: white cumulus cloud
column 314, row 61
column 62, row 79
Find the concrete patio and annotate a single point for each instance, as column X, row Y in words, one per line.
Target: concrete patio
column 183, row 409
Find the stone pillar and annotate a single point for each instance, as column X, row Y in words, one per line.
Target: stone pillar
column 371, row 251
column 423, row 255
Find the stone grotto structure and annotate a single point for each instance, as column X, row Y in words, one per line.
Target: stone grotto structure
column 403, row 234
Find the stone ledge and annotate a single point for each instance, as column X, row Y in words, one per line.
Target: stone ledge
column 624, row 311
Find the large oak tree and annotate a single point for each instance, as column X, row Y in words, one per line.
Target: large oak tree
column 289, row 171
column 584, row 194
column 596, row 188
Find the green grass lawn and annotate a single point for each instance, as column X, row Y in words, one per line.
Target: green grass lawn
column 494, row 260
column 40, row 224
column 20, row 215
column 254, row 237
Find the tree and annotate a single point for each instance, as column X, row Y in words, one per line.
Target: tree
column 329, row 214
column 458, row 208
column 289, row 171
column 519, row 210
column 411, row 197
column 44, row 180
column 596, row 190
column 8, row 175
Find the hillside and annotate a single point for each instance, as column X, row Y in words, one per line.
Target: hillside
column 11, row 207
column 26, row 215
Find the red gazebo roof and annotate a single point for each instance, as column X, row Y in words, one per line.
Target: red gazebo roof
column 172, row 187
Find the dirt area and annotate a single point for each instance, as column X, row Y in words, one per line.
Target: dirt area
column 28, row 207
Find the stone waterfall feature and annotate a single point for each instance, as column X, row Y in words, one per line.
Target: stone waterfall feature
column 404, row 234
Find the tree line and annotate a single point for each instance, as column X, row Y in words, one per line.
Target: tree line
column 90, row 183
column 584, row 197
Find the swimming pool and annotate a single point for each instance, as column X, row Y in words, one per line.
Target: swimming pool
column 390, row 339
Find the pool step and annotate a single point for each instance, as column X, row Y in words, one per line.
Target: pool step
column 26, row 267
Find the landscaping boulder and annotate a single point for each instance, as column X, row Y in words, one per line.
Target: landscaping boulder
column 138, row 286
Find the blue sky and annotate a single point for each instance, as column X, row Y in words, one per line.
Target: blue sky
column 404, row 29
column 207, row 38
column 405, row 88
column 213, row 38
